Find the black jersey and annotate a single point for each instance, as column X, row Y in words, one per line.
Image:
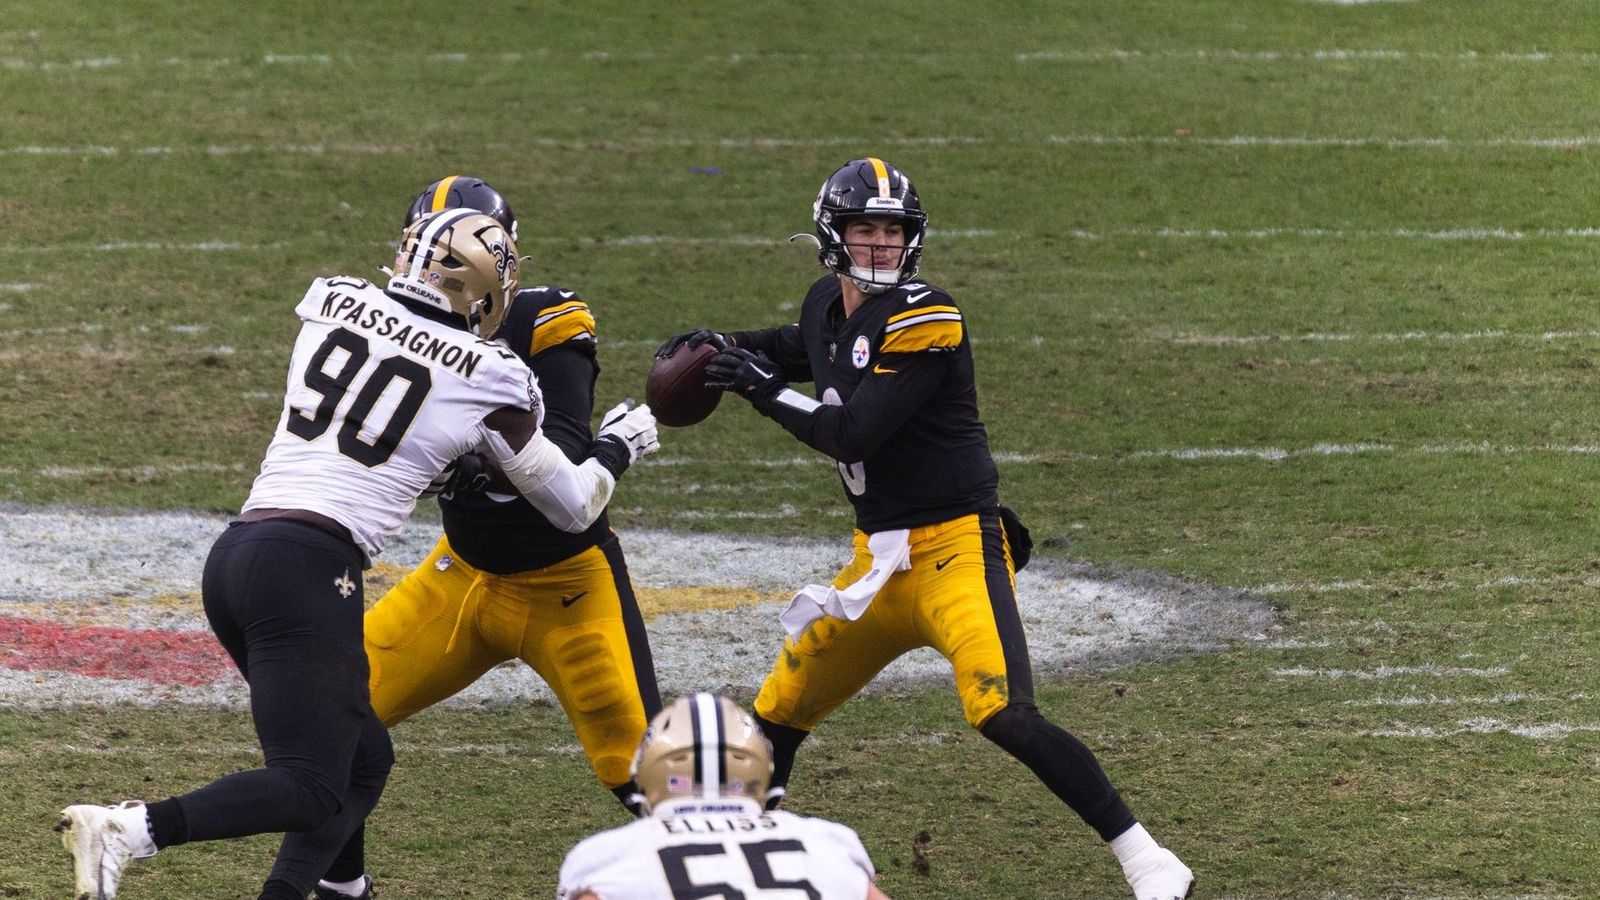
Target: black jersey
column 554, row 333
column 899, row 407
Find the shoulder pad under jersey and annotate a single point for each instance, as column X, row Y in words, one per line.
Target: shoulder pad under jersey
column 560, row 316
column 920, row 317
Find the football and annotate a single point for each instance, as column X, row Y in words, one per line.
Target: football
column 676, row 386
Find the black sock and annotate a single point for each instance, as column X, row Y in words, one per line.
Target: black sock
column 168, row 827
column 351, row 863
column 785, row 743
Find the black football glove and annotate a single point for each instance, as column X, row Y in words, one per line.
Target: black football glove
column 750, row 375
column 469, row 473
column 693, row 339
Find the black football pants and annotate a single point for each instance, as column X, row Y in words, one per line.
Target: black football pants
column 285, row 599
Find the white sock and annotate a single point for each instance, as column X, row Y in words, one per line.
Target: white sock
column 348, row 888
column 1131, row 843
column 135, row 822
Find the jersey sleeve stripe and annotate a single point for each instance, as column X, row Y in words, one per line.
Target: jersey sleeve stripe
column 934, row 333
column 561, row 323
column 559, row 309
column 921, row 310
column 929, row 316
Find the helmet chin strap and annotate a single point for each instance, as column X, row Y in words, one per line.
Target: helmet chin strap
column 865, row 286
column 873, row 280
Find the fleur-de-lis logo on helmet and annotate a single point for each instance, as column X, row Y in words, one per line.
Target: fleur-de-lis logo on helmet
column 459, row 261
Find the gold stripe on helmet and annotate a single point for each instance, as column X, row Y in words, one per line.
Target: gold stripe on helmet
column 882, row 171
column 441, row 192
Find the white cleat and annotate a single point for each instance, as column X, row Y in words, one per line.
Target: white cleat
column 1158, row 874
column 102, row 841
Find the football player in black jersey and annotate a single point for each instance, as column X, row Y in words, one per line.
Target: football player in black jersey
column 935, row 553
column 504, row 582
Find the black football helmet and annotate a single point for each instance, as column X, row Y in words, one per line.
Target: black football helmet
column 463, row 192
column 860, row 188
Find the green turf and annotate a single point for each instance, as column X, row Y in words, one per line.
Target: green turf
column 1446, row 520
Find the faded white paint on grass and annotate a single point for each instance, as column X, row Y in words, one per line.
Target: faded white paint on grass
column 1095, row 55
column 1293, row 142
column 1564, row 143
column 1182, row 454
column 1507, row 699
column 1379, row 337
column 1428, row 670
column 1079, row 618
column 649, row 240
column 1539, row 731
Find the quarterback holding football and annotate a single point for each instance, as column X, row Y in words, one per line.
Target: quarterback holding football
column 935, row 553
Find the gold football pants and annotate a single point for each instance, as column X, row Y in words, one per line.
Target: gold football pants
column 959, row 597
column 576, row 623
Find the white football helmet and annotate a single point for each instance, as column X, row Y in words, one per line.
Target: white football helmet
column 702, row 746
column 459, row 261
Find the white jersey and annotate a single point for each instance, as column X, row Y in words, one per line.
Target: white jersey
column 379, row 401
column 696, row 848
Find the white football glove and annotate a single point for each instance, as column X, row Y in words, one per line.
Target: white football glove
column 635, row 428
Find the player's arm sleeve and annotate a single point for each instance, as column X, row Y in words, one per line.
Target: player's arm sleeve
column 880, row 405
column 782, row 345
column 570, row 495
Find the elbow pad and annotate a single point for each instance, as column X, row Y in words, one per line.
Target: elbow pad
column 570, row 496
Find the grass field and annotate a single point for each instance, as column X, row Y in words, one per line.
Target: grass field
column 1281, row 295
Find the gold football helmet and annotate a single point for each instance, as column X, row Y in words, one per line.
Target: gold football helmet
column 702, row 746
column 459, row 261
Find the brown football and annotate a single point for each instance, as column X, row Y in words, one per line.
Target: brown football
column 676, row 387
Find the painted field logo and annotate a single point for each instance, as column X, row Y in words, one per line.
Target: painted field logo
column 116, row 631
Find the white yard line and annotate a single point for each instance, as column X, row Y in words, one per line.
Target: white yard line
column 1097, row 55
column 1379, row 337
column 1539, row 731
column 1179, row 339
column 1274, row 454
column 1239, row 141
column 1435, row 700
column 623, row 240
column 650, row 240
column 1430, row 670
column 1362, row 586
column 1410, row 234
column 208, row 749
column 141, row 247
column 1186, row 454
column 1323, row 55
column 1389, row 142
column 97, row 328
